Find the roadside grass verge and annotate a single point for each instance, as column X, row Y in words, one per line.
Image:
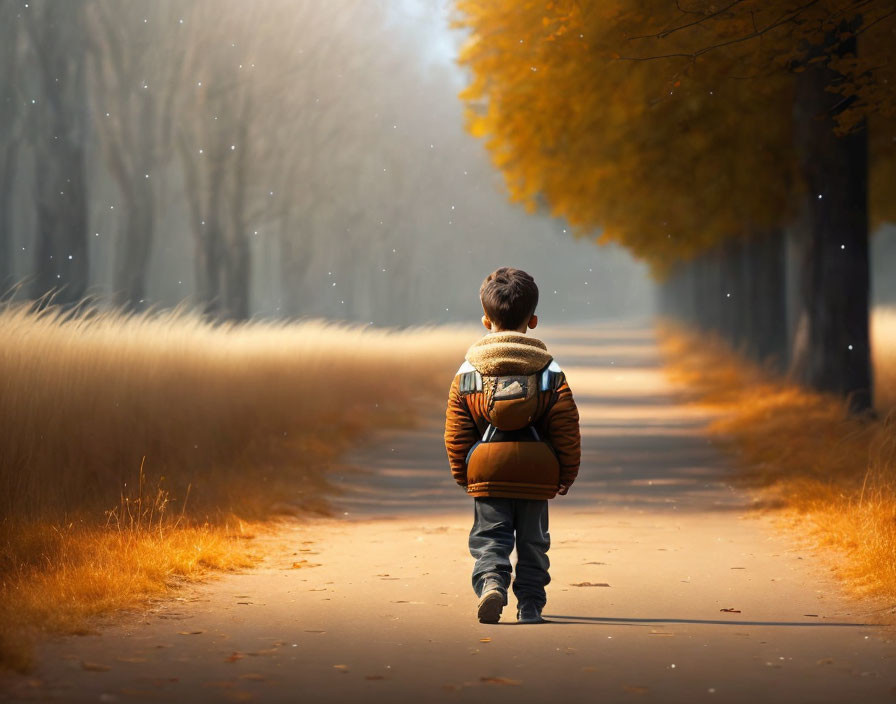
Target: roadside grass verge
column 141, row 451
column 834, row 475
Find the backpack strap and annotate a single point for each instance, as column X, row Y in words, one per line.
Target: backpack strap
column 470, row 379
column 551, row 377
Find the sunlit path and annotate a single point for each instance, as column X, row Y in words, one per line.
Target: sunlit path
column 666, row 587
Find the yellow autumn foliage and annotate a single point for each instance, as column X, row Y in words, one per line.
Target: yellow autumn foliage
column 667, row 129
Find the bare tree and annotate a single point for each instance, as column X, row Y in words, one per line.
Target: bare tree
column 58, row 131
column 137, row 60
column 10, row 111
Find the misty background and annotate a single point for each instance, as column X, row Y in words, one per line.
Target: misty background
column 321, row 147
column 276, row 159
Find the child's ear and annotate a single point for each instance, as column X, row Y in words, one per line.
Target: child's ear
column 533, row 321
column 487, row 323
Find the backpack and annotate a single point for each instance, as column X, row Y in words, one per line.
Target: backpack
column 511, row 456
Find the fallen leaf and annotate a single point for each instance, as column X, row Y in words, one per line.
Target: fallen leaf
column 595, row 563
column 233, row 657
column 811, row 615
column 190, row 633
column 485, row 640
column 730, row 611
column 635, row 689
column 590, row 584
column 307, row 631
column 500, row 680
column 825, row 661
column 94, row 666
column 342, row 668
column 304, row 563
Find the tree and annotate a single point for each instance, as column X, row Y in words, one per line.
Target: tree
column 10, row 126
column 137, row 76
column 580, row 113
column 839, row 56
column 668, row 168
column 57, row 136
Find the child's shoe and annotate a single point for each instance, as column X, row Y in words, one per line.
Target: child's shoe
column 491, row 603
column 528, row 612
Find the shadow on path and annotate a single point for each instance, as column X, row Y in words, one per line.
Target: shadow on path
column 621, row 621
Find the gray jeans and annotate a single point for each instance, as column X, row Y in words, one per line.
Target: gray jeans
column 495, row 521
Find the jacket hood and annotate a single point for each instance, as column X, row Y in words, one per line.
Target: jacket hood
column 506, row 353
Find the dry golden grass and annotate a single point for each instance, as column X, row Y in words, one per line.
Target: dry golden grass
column 835, row 474
column 136, row 448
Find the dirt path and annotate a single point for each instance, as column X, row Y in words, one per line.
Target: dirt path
column 384, row 611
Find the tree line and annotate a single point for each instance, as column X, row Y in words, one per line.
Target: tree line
column 245, row 115
column 281, row 158
column 710, row 140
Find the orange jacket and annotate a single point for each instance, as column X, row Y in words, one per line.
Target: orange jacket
column 466, row 419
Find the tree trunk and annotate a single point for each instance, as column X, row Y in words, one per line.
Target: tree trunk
column 236, row 276
column 59, row 135
column 134, row 250
column 731, row 293
column 7, row 179
column 767, row 311
column 60, row 263
column 834, row 295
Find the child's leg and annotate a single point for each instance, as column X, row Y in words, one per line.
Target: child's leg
column 532, row 544
column 491, row 542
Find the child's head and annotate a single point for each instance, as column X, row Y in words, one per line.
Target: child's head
column 509, row 297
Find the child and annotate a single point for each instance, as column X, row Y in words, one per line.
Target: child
column 512, row 435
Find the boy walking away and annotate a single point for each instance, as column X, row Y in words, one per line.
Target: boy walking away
column 512, row 435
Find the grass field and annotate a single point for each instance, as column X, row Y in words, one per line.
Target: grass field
column 138, row 451
column 834, row 474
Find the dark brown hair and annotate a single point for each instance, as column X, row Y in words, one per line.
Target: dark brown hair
column 509, row 297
